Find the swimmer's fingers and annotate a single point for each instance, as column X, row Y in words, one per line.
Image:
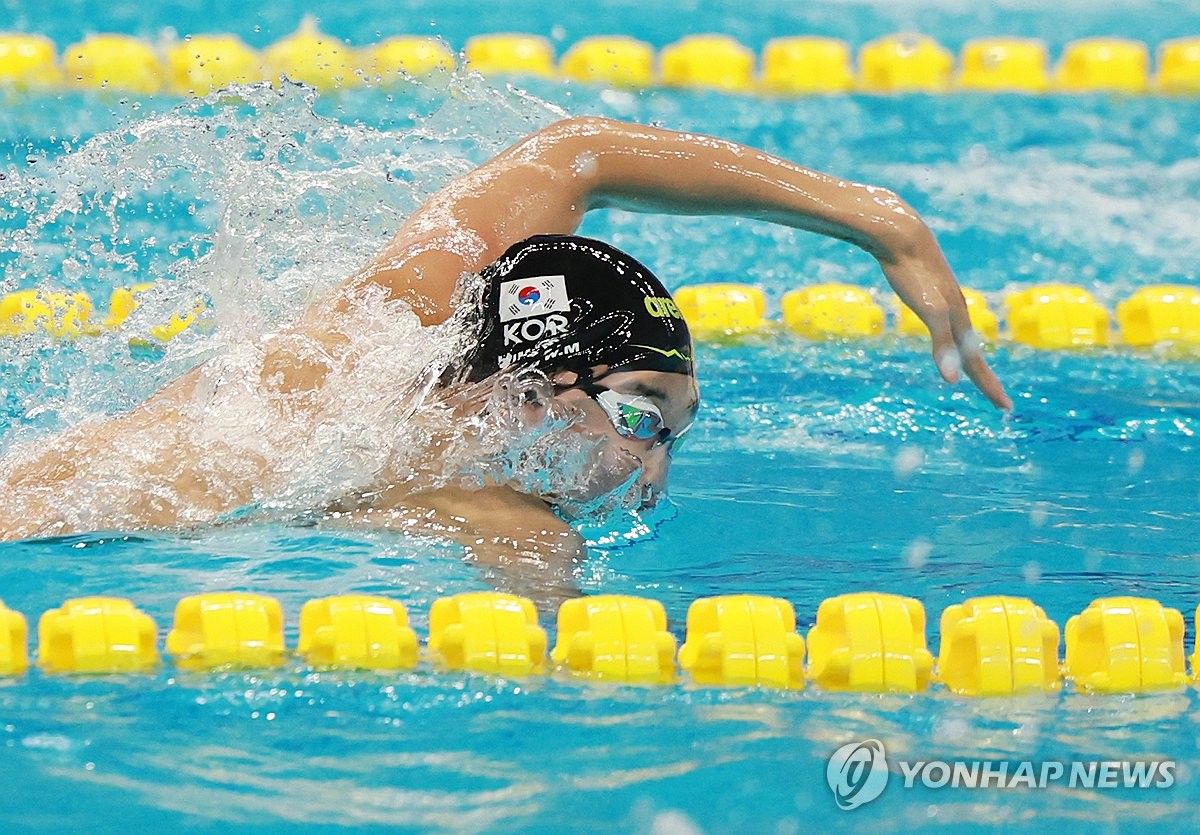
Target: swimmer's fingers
column 970, row 355
column 956, row 348
column 981, row 373
column 928, row 287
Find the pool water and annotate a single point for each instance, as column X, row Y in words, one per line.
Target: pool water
column 813, row 470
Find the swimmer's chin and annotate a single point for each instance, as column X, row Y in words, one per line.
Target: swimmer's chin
column 603, row 506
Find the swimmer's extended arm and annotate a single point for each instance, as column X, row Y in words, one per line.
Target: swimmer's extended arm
column 546, row 182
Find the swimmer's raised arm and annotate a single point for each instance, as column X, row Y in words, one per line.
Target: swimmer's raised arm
column 170, row 461
column 547, row 181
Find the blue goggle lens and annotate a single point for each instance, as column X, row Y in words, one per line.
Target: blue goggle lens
column 633, row 417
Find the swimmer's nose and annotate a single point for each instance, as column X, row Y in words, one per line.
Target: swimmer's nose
column 655, row 467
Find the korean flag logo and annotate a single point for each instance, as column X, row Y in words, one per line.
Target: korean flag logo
column 533, row 297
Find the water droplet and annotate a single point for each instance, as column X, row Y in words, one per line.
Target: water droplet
column 1137, row 459
column 977, row 154
column 1031, row 571
column 1038, row 514
column 953, row 729
column 673, row 822
column 916, row 553
column 950, row 363
column 908, row 460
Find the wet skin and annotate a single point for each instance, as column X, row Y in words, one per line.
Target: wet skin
column 544, row 184
column 538, row 548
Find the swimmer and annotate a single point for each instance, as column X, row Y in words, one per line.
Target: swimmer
column 613, row 354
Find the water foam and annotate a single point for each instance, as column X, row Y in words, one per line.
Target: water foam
column 252, row 201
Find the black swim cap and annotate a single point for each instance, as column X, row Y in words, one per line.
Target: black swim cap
column 566, row 303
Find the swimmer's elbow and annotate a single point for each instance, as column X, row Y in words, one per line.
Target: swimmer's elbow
column 566, row 140
column 581, row 127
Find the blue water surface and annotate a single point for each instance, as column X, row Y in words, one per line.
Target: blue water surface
column 813, row 470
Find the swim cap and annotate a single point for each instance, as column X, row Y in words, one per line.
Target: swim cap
column 566, row 303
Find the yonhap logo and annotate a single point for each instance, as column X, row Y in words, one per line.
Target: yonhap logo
column 857, row 773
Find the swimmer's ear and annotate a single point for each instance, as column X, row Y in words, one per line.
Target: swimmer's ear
column 565, row 379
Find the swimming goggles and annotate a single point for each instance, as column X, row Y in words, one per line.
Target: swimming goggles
column 633, row 416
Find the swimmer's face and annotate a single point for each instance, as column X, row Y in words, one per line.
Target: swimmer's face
column 674, row 395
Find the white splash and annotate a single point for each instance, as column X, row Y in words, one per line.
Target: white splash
column 256, row 204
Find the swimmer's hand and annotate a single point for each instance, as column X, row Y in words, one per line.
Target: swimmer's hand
column 921, row 277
